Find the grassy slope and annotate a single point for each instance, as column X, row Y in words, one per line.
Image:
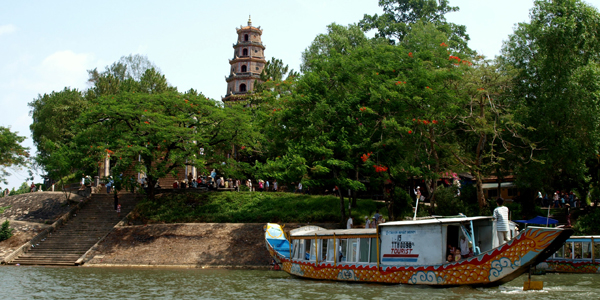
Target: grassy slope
column 247, row 207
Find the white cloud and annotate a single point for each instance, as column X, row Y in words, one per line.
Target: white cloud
column 6, row 29
column 65, row 69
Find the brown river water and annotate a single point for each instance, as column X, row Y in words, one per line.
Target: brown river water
column 21, row 282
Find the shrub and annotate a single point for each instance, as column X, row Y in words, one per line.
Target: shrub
column 588, row 224
column 249, row 207
column 5, row 231
column 448, row 203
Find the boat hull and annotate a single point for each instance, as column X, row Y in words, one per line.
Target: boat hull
column 495, row 267
column 569, row 266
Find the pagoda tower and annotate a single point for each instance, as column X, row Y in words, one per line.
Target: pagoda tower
column 247, row 63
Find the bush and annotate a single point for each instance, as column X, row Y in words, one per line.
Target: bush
column 250, row 207
column 588, row 224
column 5, row 231
column 448, row 203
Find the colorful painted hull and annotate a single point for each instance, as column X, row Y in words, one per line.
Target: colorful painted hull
column 494, row 267
column 569, row 266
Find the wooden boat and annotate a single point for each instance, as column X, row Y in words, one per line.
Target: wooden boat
column 579, row 254
column 412, row 252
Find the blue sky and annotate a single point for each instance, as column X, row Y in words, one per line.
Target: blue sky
column 48, row 45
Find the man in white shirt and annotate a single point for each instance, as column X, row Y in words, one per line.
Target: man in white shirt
column 501, row 217
column 367, row 222
column 464, row 247
column 349, row 223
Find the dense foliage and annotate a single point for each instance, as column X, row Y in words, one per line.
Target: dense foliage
column 248, row 207
column 12, row 153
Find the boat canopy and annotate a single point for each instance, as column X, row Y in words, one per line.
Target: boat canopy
column 336, row 232
column 539, row 220
column 436, row 221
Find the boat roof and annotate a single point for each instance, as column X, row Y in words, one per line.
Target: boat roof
column 340, row 232
column 436, row 220
column 584, row 237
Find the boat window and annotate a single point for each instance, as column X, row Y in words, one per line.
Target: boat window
column 577, row 250
column 586, row 248
column 294, row 248
column 352, row 250
column 309, row 251
column 364, row 250
column 330, row 250
column 560, row 252
column 323, row 253
column 373, row 256
column 569, row 250
column 596, row 250
column 299, row 250
column 343, row 243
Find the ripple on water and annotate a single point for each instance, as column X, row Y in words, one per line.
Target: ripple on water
column 142, row 283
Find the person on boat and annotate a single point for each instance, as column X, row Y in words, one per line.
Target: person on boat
column 450, row 250
column 450, row 258
column 501, row 218
column 464, row 246
column 457, row 255
column 367, row 222
column 349, row 223
column 374, row 222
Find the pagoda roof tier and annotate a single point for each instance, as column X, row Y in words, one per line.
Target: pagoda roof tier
column 245, row 75
column 248, row 43
column 248, row 58
column 249, row 28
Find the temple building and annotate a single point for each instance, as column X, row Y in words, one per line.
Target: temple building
column 247, row 63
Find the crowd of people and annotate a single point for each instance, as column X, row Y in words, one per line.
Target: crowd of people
column 559, row 200
column 214, row 182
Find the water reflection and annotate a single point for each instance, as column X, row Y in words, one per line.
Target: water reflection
column 142, row 283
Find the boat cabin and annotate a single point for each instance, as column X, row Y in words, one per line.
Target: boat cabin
column 579, row 248
column 420, row 242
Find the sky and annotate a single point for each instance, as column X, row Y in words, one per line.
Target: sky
column 46, row 46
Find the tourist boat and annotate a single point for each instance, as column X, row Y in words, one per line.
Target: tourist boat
column 412, row 252
column 579, row 254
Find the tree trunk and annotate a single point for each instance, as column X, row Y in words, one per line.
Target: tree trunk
column 479, row 184
column 342, row 208
column 354, row 191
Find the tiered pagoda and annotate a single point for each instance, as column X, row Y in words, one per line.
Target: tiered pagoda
column 247, row 63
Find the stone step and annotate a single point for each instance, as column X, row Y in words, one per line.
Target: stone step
column 75, row 237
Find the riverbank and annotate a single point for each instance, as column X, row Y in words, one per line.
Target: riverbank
column 187, row 245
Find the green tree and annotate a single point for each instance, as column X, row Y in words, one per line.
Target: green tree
column 12, row 153
column 315, row 116
column 131, row 67
column 24, row 188
column 53, row 117
column 155, row 133
column 400, row 15
column 557, row 86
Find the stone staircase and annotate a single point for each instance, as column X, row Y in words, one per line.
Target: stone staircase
column 69, row 242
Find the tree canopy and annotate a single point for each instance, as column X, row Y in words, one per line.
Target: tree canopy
column 12, row 153
column 556, row 58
